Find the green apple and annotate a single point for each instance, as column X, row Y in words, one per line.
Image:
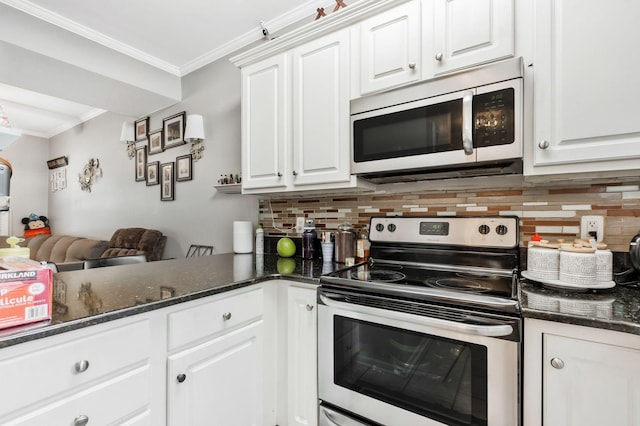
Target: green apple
column 286, row 265
column 286, row 247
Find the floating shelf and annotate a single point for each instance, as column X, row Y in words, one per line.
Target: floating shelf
column 229, row 188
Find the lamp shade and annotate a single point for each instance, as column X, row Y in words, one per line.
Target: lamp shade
column 127, row 134
column 195, row 127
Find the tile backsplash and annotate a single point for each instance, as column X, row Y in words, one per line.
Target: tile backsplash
column 553, row 212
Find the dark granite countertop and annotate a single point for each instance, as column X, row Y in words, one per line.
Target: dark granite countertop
column 616, row 309
column 87, row 297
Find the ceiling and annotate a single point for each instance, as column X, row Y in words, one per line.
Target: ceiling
column 175, row 38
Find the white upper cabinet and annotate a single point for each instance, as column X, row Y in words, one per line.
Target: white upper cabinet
column 320, row 111
column 586, row 67
column 390, row 45
column 265, row 122
column 467, row 33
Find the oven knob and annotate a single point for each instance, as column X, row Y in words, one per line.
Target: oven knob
column 484, row 229
column 391, row 227
column 379, row 227
column 501, row 229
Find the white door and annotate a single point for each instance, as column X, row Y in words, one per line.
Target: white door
column 218, row 382
column 586, row 64
column 469, row 32
column 264, row 123
column 302, row 321
column 390, row 48
column 321, row 111
column 587, row 383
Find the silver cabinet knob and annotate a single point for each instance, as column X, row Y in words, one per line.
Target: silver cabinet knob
column 412, row 65
column 439, row 56
column 226, row 316
column 81, row 420
column 309, row 307
column 279, row 174
column 81, row 366
column 543, row 144
column 557, row 363
column 181, row 377
column 294, row 173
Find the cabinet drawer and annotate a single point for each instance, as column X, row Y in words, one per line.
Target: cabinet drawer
column 123, row 399
column 60, row 363
column 207, row 319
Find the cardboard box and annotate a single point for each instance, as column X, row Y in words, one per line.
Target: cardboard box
column 25, row 291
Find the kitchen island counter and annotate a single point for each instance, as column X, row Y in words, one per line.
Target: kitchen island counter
column 87, row 297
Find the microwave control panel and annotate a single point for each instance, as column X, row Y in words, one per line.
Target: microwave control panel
column 493, row 114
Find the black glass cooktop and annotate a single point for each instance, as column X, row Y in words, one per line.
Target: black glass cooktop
column 458, row 280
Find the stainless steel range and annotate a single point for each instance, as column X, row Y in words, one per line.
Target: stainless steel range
column 428, row 331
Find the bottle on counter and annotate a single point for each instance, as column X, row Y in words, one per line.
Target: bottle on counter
column 363, row 245
column 259, row 239
column 309, row 239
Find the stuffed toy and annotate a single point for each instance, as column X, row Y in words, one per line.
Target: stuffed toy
column 35, row 225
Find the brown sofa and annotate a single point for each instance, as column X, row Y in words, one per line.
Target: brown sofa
column 73, row 251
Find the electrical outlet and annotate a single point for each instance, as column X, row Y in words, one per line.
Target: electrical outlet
column 300, row 225
column 592, row 224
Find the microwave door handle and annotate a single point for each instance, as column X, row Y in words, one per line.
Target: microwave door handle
column 467, row 122
column 499, row 330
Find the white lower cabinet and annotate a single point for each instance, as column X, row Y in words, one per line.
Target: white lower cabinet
column 97, row 375
column 580, row 376
column 244, row 357
column 218, row 382
column 302, row 362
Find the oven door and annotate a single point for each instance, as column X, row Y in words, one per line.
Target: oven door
column 401, row 368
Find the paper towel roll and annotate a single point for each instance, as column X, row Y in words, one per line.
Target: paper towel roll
column 242, row 236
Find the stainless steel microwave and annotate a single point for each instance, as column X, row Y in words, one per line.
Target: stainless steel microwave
column 466, row 124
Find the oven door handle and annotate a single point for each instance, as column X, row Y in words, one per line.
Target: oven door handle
column 498, row 330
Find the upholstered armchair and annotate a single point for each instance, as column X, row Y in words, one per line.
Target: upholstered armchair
column 134, row 241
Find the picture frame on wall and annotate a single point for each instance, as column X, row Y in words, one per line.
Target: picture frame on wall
column 173, row 128
column 153, row 169
column 141, row 128
column 156, row 142
column 141, row 164
column 166, row 181
column 184, row 165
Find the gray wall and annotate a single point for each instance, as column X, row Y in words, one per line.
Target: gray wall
column 199, row 215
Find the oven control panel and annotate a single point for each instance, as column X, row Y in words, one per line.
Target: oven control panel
column 489, row 231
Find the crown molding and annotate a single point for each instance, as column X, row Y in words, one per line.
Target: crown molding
column 90, row 34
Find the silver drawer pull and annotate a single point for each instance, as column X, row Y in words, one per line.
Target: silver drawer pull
column 81, row 420
column 309, row 307
column 81, row 366
column 226, row 316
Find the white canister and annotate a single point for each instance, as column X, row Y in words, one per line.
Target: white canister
column 604, row 265
column 242, row 236
column 543, row 263
column 577, row 267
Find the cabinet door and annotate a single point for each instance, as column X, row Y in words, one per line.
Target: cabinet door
column 390, row 48
column 302, row 333
column 265, row 121
column 586, row 65
column 587, row 383
column 321, row 111
column 218, row 382
column 469, row 32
